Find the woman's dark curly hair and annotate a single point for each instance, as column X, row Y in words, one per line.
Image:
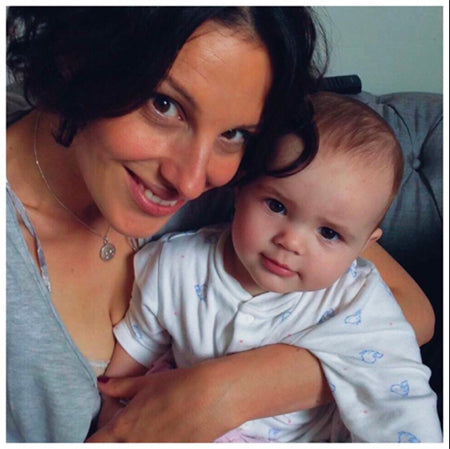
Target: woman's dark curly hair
column 87, row 63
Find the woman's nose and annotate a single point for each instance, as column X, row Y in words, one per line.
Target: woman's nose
column 292, row 239
column 186, row 169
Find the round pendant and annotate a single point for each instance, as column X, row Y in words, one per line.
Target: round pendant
column 107, row 251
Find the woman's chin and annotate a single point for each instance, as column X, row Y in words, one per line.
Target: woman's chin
column 139, row 227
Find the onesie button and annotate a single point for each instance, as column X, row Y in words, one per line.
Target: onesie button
column 248, row 319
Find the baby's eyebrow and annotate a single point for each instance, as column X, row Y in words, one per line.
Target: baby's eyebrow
column 270, row 190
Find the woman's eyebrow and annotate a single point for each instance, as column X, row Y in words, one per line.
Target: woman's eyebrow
column 181, row 91
column 175, row 85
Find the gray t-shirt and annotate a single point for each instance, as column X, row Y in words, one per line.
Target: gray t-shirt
column 51, row 388
column 52, row 391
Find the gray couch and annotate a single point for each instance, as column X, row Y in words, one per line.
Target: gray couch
column 413, row 228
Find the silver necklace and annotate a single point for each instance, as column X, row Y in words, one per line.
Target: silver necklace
column 107, row 250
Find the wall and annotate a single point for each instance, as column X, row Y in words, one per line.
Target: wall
column 392, row 49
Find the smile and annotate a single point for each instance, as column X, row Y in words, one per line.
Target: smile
column 156, row 199
column 150, row 201
column 276, row 268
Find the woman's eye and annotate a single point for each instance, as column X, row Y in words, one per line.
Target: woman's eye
column 165, row 106
column 328, row 233
column 276, row 206
column 236, row 136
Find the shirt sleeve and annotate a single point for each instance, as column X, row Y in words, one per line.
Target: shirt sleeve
column 372, row 362
column 140, row 333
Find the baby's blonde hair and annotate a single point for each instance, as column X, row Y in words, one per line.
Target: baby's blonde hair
column 350, row 127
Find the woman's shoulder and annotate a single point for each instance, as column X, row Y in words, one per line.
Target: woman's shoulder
column 16, row 105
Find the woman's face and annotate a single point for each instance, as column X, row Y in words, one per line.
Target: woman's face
column 140, row 168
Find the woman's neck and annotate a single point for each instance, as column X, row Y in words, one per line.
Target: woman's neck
column 58, row 185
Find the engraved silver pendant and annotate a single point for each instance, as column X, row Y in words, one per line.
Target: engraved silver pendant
column 107, row 251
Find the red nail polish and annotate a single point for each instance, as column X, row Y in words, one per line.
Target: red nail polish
column 103, row 379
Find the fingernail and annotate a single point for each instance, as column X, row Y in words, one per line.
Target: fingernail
column 103, row 379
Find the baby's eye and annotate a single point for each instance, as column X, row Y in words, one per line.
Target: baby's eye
column 236, row 136
column 328, row 233
column 276, row 206
column 165, row 106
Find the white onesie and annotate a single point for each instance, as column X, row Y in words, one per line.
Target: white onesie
column 183, row 299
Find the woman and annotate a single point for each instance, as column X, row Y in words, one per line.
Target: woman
column 155, row 106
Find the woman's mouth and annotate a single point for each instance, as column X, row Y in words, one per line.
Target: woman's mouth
column 150, row 200
column 156, row 199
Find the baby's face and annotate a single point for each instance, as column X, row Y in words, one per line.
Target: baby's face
column 302, row 232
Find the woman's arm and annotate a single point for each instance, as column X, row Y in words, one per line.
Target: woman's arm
column 412, row 300
column 204, row 402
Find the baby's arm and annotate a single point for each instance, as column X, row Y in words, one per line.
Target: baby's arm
column 374, row 366
column 121, row 365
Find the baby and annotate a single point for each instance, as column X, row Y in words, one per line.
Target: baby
column 287, row 271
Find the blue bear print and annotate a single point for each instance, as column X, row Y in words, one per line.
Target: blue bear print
column 284, row 315
column 327, row 315
column 200, row 290
column 137, row 330
column 354, row 318
column 407, row 437
column 370, row 356
column 402, row 389
column 273, row 434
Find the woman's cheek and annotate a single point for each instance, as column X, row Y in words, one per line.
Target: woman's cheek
column 129, row 138
column 226, row 171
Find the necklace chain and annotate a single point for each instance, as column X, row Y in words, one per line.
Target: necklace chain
column 108, row 250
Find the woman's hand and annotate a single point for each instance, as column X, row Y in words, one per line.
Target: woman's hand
column 182, row 405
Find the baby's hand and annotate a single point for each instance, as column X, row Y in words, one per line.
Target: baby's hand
column 110, row 407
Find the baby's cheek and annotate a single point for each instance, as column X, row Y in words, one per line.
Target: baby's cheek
column 332, row 272
column 243, row 241
column 316, row 273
